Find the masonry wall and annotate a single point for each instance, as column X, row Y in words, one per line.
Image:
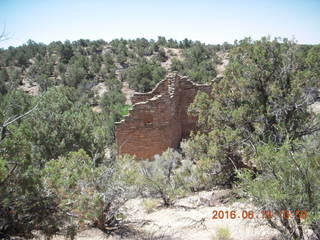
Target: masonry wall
column 158, row 119
column 160, row 88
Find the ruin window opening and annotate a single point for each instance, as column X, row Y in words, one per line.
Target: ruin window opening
column 148, row 120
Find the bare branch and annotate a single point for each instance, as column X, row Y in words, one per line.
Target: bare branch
column 3, row 35
column 9, row 174
column 10, row 120
column 16, row 118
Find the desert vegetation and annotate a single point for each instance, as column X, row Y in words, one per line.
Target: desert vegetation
column 258, row 134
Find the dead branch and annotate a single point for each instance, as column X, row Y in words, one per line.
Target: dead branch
column 9, row 174
column 10, row 120
column 197, row 223
column 3, row 35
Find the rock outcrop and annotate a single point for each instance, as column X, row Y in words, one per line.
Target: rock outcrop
column 158, row 119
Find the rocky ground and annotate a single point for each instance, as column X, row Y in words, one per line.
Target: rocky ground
column 189, row 218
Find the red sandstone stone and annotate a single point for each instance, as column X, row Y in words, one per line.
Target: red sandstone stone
column 158, row 119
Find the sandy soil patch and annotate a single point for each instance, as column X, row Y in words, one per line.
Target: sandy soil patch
column 190, row 218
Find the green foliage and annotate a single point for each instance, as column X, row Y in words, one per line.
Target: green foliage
column 42, row 67
column 65, row 51
column 130, row 171
column 176, row 65
column 62, row 124
column 84, row 63
column 149, row 205
column 25, row 205
column 161, row 41
column 143, row 47
column 4, row 77
column 108, row 60
column 161, row 56
column 197, row 171
column 102, row 191
column 199, row 63
column 113, row 101
column 289, row 181
column 77, row 72
column 313, row 59
column 125, row 110
column 14, row 104
column 20, row 56
column 20, row 214
column 260, row 99
column 222, row 234
column 15, row 78
column 22, row 196
column 45, row 82
column 253, row 119
column 159, row 177
column 145, row 75
column 3, row 170
column 186, row 43
column 120, row 49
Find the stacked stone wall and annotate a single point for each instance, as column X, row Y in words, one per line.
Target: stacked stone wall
column 158, row 119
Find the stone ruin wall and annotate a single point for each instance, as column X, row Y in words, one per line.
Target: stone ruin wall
column 158, row 119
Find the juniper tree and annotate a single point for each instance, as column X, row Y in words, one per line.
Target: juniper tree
column 263, row 102
column 264, row 97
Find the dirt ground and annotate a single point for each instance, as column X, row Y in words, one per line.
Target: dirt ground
column 190, row 218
